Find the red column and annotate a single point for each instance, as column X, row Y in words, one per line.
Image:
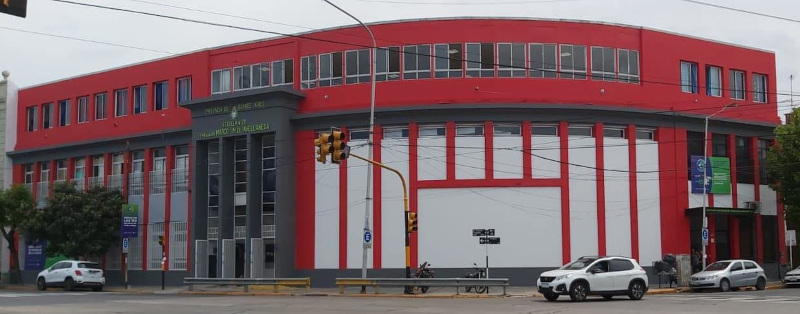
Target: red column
column 757, row 194
column 126, row 168
column 148, row 166
column 52, row 178
column 601, row 189
column 413, row 164
column 377, row 198
column 563, row 129
column 527, row 152
column 488, row 149
column 70, row 169
column 634, row 191
column 305, row 185
column 733, row 221
column 37, row 175
column 450, row 148
column 673, row 189
column 168, row 202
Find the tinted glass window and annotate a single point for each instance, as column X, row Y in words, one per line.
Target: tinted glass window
column 737, row 266
column 750, row 265
column 581, row 263
column 61, row 265
column 89, row 265
column 718, row 266
column 621, row 265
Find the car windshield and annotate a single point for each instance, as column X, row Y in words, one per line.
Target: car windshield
column 89, row 265
column 718, row 266
column 581, row 263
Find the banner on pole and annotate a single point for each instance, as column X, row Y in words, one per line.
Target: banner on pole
column 34, row 255
column 718, row 172
column 130, row 221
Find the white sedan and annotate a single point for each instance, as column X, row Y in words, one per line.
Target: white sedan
column 71, row 275
column 792, row 277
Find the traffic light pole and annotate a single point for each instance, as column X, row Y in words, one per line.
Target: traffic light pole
column 405, row 207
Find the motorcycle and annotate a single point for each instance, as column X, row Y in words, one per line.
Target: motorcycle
column 423, row 271
column 479, row 273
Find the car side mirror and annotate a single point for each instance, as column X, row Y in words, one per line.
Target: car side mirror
column 596, row 270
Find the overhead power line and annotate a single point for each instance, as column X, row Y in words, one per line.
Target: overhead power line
column 742, row 11
column 308, row 37
column 86, row 40
column 466, row 3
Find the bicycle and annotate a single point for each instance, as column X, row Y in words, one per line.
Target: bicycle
column 479, row 273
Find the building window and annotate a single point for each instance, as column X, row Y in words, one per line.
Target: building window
column 432, row 131
column 480, row 60
column 98, row 169
column 362, row 134
column 582, row 130
column 713, row 81
column 32, row 119
column 240, row 165
column 44, row 173
column 330, row 69
column 759, row 88
column 159, row 159
column 241, row 78
column 83, row 109
column 689, row 77
column 100, row 106
column 737, row 84
column 63, row 113
column 644, row 134
column 387, row 64
column 507, row 130
column 184, row 89
column 139, row 99
column 268, row 178
column 47, row 116
column 282, row 72
column 416, row 62
column 220, row 81
column 121, row 103
column 357, row 64
column 390, row 133
column 544, row 130
column 61, row 170
column 308, row 72
column 137, row 164
column 117, row 164
column 213, row 190
column 614, row 132
column 260, row 74
column 469, row 130
column 161, row 95
column 511, row 60
column 744, row 160
column 182, row 157
column 29, row 173
column 628, row 66
column 604, row 67
column 763, row 147
column 448, row 60
column 573, row 62
column 80, row 170
column 543, row 60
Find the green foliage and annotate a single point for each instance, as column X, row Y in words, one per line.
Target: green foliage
column 783, row 164
column 77, row 224
column 16, row 204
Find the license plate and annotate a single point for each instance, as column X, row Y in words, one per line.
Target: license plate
column 545, row 285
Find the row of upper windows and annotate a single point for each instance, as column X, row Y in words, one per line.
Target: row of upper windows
column 737, row 82
column 505, row 130
column 122, row 99
column 258, row 75
column 117, row 164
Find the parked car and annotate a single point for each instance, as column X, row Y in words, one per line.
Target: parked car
column 71, row 275
column 592, row 275
column 729, row 274
column 792, row 278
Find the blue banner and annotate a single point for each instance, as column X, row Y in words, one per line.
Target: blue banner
column 130, row 221
column 34, row 255
column 698, row 163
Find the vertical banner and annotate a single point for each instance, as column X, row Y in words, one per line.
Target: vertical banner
column 720, row 175
column 698, row 162
column 34, row 255
column 130, row 221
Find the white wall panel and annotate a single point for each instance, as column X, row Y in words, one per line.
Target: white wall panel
column 431, row 158
column 326, row 218
column 470, row 157
column 507, row 157
column 528, row 221
column 648, row 202
column 745, row 192
column 582, row 197
column 392, row 211
column 769, row 201
column 723, row 200
column 695, row 199
column 356, row 192
column 546, row 157
column 618, row 197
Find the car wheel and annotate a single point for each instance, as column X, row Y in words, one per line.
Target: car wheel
column 608, row 296
column 724, row 285
column 41, row 284
column 761, row 284
column 69, row 284
column 98, row 288
column 636, row 290
column 579, row 291
column 551, row 296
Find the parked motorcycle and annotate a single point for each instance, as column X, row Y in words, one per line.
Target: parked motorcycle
column 479, row 273
column 424, row 271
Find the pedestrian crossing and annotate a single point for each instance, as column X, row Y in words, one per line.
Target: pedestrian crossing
column 40, row 294
column 740, row 299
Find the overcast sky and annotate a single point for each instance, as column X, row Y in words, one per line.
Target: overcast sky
column 34, row 59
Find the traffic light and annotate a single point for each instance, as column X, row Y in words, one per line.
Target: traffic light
column 14, row 7
column 340, row 149
column 323, row 147
column 161, row 240
column 412, row 222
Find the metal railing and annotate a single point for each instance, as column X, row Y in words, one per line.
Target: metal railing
column 42, row 193
column 158, row 182
column 115, row 182
column 79, row 184
column 247, row 282
column 267, row 231
column 180, row 180
column 96, row 181
column 136, row 183
column 429, row 282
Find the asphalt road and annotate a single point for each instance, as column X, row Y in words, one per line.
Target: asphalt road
column 770, row 301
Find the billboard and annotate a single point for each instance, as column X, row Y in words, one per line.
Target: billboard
column 718, row 172
column 130, row 221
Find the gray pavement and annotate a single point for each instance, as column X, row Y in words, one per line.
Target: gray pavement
column 27, row 301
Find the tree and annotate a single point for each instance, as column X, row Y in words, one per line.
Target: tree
column 783, row 164
column 77, row 224
column 16, row 204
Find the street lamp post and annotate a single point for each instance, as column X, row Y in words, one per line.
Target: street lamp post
column 370, row 143
column 705, row 172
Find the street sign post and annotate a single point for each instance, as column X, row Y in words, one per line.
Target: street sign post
column 124, row 245
column 705, row 236
column 367, row 239
column 486, row 238
column 791, row 240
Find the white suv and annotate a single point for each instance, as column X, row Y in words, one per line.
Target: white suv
column 72, row 274
column 605, row 276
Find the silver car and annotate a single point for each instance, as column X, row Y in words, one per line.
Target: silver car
column 728, row 275
column 792, row 277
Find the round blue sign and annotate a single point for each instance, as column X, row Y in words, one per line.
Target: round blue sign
column 705, row 234
column 367, row 236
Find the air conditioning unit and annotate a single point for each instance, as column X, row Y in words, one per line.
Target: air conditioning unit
column 754, row 205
